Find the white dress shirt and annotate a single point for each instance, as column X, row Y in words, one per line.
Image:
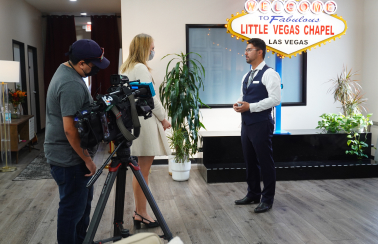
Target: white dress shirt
column 272, row 81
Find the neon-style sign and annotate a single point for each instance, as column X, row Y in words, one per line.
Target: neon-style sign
column 288, row 28
column 304, row 7
column 277, row 6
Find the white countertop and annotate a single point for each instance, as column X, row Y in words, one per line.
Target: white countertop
column 219, row 133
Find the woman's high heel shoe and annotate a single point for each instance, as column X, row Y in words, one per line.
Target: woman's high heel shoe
column 145, row 221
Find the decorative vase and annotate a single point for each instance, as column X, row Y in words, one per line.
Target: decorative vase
column 181, row 171
column 16, row 112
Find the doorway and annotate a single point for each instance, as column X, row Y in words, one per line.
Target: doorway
column 34, row 87
column 19, row 55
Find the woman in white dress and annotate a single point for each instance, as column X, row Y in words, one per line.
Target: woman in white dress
column 152, row 140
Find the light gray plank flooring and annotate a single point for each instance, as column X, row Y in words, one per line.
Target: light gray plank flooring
column 310, row 212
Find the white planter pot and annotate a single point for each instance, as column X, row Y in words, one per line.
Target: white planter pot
column 180, row 171
column 171, row 159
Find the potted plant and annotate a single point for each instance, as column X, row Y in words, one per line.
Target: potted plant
column 180, row 163
column 338, row 123
column 357, row 146
column 330, row 123
column 356, row 123
column 179, row 94
column 347, row 91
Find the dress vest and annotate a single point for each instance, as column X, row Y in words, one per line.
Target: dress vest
column 253, row 94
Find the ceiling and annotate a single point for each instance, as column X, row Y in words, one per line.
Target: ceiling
column 91, row 7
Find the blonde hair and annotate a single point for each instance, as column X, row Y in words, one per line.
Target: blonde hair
column 139, row 51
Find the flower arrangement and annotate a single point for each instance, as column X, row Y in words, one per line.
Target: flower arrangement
column 17, row 96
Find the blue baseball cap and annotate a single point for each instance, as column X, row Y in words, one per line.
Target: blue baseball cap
column 86, row 49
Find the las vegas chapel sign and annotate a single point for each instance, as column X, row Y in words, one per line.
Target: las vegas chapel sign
column 288, row 27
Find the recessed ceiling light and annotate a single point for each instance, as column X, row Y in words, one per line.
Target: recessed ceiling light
column 89, row 23
column 73, row 0
column 83, row 13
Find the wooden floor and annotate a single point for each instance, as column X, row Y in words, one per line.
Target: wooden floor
column 324, row 212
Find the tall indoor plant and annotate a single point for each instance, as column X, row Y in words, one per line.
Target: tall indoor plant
column 179, row 94
column 347, row 91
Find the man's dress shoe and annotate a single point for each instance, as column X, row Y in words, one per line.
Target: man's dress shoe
column 247, row 200
column 263, row 207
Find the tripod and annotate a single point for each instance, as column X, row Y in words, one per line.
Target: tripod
column 118, row 169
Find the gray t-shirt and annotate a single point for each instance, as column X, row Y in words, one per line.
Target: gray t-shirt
column 67, row 94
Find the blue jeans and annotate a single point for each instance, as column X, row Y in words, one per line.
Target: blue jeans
column 75, row 202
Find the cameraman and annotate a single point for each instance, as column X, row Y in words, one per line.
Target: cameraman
column 71, row 166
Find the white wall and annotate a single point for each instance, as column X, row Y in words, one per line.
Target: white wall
column 369, row 50
column 165, row 22
column 21, row 22
column 325, row 63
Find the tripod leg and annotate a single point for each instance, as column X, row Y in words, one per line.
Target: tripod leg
column 138, row 175
column 120, row 202
column 92, row 229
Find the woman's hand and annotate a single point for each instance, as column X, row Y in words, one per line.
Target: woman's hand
column 166, row 124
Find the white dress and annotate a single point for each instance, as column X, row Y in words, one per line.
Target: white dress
column 152, row 140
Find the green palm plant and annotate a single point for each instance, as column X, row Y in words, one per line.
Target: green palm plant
column 179, row 94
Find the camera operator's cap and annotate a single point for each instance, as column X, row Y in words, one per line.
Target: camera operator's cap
column 90, row 50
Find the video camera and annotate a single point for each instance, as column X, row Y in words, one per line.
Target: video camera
column 115, row 114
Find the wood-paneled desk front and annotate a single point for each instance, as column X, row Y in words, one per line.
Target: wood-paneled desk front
column 20, row 127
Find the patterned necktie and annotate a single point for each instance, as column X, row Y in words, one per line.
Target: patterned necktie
column 251, row 77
